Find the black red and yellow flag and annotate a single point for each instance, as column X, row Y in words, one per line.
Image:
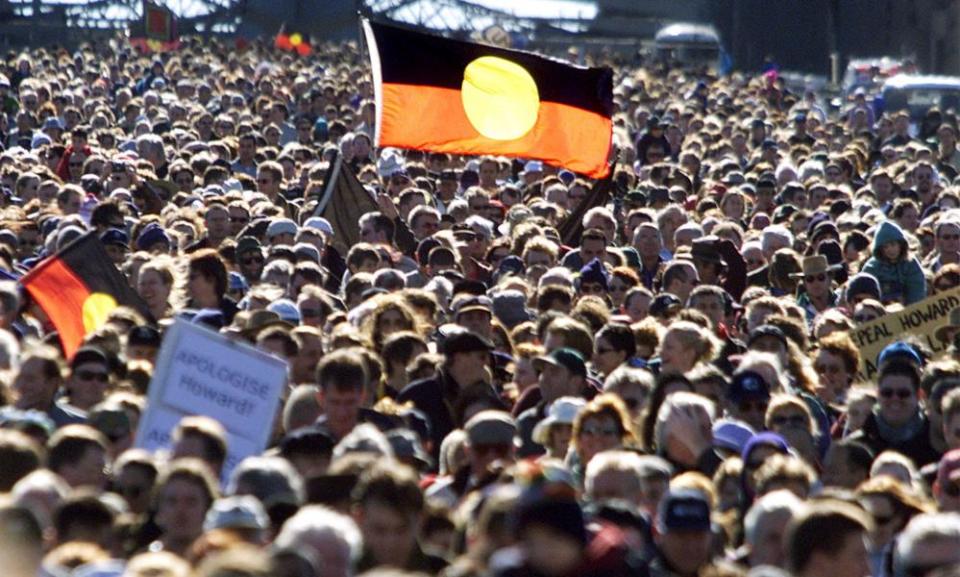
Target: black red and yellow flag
column 343, row 202
column 77, row 288
column 445, row 95
column 157, row 32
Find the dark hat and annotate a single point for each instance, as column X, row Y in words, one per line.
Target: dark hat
column 816, row 264
column 595, row 272
column 783, row 213
column 902, row 350
column 406, row 445
column 510, row 308
column 115, row 236
column 767, row 180
column 565, row 357
column 705, row 248
column 152, row 234
column 314, row 440
column 448, row 174
column 511, row 264
column 863, row 283
column 89, row 354
column 824, row 227
column 560, row 513
column 143, row 336
column 683, row 510
column 664, row 303
column 247, row 244
column 113, row 422
column 491, row 428
column 457, row 339
column 472, row 303
column 766, row 331
column 769, row 144
column 748, row 385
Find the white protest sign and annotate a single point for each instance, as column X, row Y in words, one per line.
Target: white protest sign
column 200, row 372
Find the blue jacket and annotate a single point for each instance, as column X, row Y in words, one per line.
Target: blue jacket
column 903, row 280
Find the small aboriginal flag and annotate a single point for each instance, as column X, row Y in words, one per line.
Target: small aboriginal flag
column 77, row 288
column 445, row 95
column 157, row 32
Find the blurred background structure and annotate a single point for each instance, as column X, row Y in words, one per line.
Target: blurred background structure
column 799, row 35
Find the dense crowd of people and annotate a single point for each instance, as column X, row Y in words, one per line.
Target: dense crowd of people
column 672, row 390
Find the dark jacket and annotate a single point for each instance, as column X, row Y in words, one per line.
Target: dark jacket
column 917, row 447
column 443, row 400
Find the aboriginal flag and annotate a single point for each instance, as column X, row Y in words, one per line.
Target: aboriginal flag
column 77, row 288
column 157, row 32
column 343, row 202
column 445, row 95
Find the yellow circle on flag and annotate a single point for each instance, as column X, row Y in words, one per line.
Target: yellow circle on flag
column 296, row 39
column 500, row 98
column 95, row 310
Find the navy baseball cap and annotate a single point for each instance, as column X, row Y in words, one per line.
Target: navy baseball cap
column 902, row 350
column 748, row 385
column 683, row 510
column 565, row 357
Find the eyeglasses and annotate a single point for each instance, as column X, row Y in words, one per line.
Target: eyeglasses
column 599, row 431
column 798, row 421
column 899, row 393
column 93, row 375
column 815, row 277
column 252, row 260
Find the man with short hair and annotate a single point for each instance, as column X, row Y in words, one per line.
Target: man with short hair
column 388, row 509
column 184, row 493
column 562, row 373
column 342, row 381
column 593, row 244
column 78, row 453
column 829, row 539
column 764, row 528
column 927, row 543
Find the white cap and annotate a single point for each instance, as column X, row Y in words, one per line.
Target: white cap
column 563, row 411
column 321, row 224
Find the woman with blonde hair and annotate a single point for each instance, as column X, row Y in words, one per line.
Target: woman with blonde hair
column 685, row 345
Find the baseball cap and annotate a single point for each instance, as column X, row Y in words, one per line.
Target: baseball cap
column 115, row 236
column 491, row 428
column 473, row 303
column 899, row 349
column 319, row 223
column 247, row 244
column 683, row 510
column 748, row 385
column 731, row 434
column 663, row 304
column 565, row 357
column 281, row 226
column 766, row 331
column 237, row 512
column 143, row 336
column 456, row 339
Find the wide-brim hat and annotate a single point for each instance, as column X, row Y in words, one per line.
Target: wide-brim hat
column 954, row 324
column 815, row 264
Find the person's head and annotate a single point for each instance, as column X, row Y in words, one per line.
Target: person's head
column 765, row 525
column 898, row 385
column 711, row 301
column 84, row 517
column 593, row 244
column 207, row 277
column 78, row 453
column 184, row 492
column 490, row 439
column 603, row 425
column 203, row 438
column 846, row 464
column 891, row 504
column 679, row 411
column 686, row 344
column 388, row 507
column 562, row 372
column 333, row 537
column 89, row 378
column 632, row 385
column 836, row 361
column 829, row 538
column 38, row 378
column 684, row 530
column 342, row 385
column 613, row 346
column 928, row 542
column 615, row 475
column 679, row 279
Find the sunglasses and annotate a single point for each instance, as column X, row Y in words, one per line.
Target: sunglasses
column 798, row 421
column 753, row 406
column 815, row 277
column 252, row 260
column 599, row 431
column 93, row 375
column 603, row 351
column 899, row 393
